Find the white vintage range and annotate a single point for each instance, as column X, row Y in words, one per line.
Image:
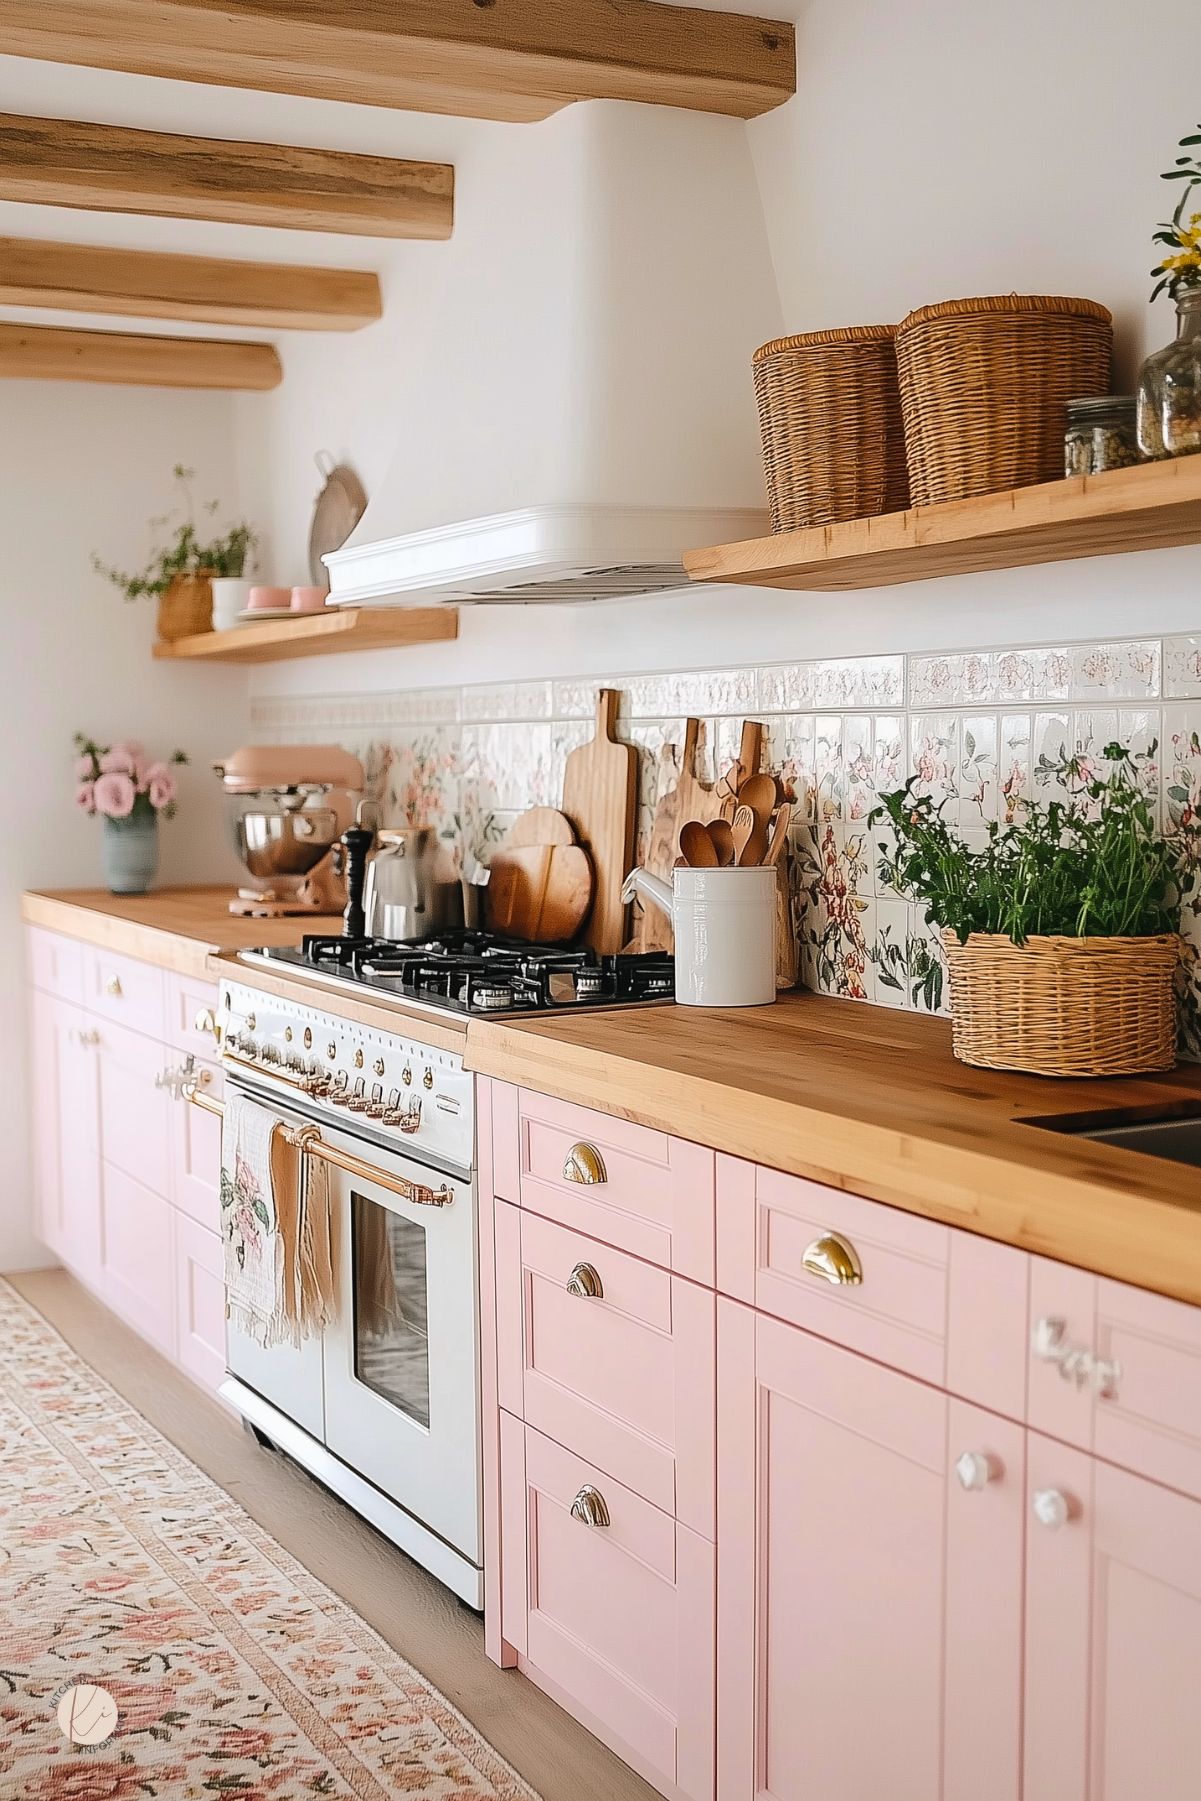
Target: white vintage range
column 384, row 1407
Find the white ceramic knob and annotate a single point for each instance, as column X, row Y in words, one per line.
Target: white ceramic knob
column 1050, row 1508
column 974, row 1470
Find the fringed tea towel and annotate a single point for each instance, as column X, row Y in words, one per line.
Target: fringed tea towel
column 275, row 1228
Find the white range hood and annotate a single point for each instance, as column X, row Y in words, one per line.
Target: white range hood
column 578, row 410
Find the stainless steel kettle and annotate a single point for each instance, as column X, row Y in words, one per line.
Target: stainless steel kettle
column 412, row 890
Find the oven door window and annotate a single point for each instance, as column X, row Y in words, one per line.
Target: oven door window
column 391, row 1307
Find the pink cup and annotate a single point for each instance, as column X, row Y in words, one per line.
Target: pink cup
column 309, row 600
column 261, row 600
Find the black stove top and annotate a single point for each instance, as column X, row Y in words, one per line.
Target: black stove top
column 477, row 973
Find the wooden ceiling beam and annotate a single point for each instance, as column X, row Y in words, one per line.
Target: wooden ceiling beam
column 51, row 353
column 488, row 59
column 152, row 284
column 112, row 169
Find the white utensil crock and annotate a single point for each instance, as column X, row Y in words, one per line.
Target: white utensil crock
column 725, row 926
column 230, row 594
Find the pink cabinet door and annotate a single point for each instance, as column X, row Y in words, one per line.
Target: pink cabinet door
column 1113, row 1633
column 869, row 1603
column 65, row 1124
column 609, row 1604
column 134, row 1114
column 195, row 1138
column 136, row 1273
column 199, row 1302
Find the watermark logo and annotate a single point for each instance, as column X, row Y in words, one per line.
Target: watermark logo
column 86, row 1713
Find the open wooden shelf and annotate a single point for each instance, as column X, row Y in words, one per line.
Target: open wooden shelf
column 318, row 635
column 1149, row 507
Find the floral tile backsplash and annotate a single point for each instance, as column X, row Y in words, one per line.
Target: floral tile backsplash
column 982, row 730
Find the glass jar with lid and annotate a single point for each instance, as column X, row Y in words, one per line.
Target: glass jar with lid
column 1101, row 433
column 1169, row 388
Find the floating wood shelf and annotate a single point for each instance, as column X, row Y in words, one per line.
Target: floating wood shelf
column 518, row 61
column 129, row 359
column 318, row 635
column 1149, row 507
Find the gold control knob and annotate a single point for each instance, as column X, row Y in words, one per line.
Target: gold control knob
column 378, row 1066
column 358, row 1059
column 308, row 1038
column 251, row 1023
column 331, row 1050
column 287, row 1034
column 427, row 1080
column 406, row 1076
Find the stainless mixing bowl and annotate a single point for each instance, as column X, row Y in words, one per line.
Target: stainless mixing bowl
column 281, row 838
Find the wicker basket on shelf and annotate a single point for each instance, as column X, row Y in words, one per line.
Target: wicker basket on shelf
column 830, row 419
column 186, row 608
column 984, row 383
column 1064, row 1006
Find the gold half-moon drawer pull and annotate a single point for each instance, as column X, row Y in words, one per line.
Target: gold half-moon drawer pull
column 832, row 1259
column 584, row 1163
column 584, row 1281
column 589, row 1507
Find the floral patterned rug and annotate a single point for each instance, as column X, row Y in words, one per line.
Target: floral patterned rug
column 236, row 1675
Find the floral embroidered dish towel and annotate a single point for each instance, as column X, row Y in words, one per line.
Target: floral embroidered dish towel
column 254, row 1255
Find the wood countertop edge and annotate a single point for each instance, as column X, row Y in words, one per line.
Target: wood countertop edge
column 1124, row 1225
column 157, row 944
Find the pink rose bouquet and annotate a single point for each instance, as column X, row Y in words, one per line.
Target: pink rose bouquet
column 119, row 781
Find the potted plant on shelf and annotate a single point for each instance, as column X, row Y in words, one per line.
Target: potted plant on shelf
column 1061, row 930
column 130, row 792
column 187, row 572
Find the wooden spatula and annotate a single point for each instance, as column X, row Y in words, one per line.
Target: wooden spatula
column 741, row 831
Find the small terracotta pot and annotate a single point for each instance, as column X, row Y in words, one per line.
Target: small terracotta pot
column 187, row 606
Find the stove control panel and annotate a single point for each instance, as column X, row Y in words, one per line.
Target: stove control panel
column 397, row 1086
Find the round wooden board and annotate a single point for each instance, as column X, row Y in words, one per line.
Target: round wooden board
column 340, row 505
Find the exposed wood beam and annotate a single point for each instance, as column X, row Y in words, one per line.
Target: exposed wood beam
column 49, row 353
column 151, row 284
column 488, row 59
column 109, row 168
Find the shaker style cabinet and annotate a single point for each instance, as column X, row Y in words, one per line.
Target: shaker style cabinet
column 127, row 1174
column 956, row 1527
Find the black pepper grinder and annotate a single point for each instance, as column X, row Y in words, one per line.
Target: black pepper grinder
column 356, row 844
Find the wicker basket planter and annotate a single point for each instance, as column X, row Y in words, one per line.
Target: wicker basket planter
column 187, row 607
column 984, row 383
column 1064, row 1006
column 830, row 419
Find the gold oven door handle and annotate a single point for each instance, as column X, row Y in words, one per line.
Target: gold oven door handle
column 584, row 1163
column 309, row 1140
column 832, row 1259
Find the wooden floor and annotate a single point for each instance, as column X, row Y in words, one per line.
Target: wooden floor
column 424, row 1622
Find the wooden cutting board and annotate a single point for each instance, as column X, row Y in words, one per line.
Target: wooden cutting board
column 539, row 892
column 690, row 798
column 539, row 825
column 600, row 798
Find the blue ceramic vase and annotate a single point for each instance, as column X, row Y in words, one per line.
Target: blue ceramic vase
column 130, row 853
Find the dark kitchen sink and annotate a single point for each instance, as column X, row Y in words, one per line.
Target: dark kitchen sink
column 1176, row 1140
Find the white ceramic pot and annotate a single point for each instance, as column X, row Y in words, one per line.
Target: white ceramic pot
column 725, row 926
column 230, row 594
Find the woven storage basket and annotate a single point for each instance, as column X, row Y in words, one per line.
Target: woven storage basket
column 983, row 388
column 1064, row 1006
column 187, row 606
column 830, row 419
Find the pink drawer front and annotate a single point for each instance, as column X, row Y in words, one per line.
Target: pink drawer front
column 613, row 1358
column 195, row 1138
column 1116, row 1371
column 127, row 992
column 642, row 1191
column 55, row 963
column 616, row 1620
column 192, row 1015
column 199, row 1302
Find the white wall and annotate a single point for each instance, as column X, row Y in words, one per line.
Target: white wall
column 934, row 149
column 84, row 468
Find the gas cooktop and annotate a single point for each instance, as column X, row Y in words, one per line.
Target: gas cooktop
column 467, row 972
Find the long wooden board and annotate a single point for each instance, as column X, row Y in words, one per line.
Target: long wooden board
column 1149, row 507
column 317, row 635
column 206, row 290
column 519, row 60
column 111, row 168
column 600, row 798
column 129, row 359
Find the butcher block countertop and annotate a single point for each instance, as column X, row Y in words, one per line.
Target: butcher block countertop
column 871, row 1100
column 176, row 928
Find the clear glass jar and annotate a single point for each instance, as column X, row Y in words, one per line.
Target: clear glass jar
column 1100, row 434
column 1169, row 388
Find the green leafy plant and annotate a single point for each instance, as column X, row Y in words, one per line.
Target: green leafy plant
column 1181, row 269
column 185, row 551
column 1092, row 865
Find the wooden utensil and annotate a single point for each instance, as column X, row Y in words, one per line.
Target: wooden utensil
column 723, row 841
column 696, row 846
column 540, row 892
column 759, row 794
column 741, row 831
column 539, row 825
column 779, row 834
column 750, row 755
column 600, row 798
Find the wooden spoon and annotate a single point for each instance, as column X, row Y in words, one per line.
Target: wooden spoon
column 697, row 846
column 723, row 841
column 742, row 830
column 759, row 794
column 779, row 834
